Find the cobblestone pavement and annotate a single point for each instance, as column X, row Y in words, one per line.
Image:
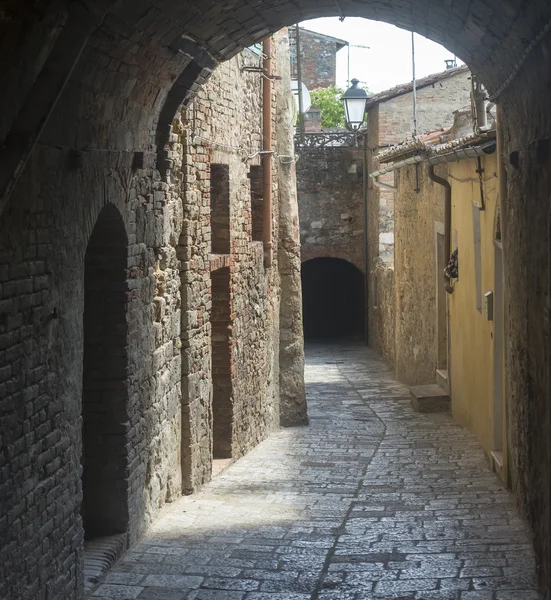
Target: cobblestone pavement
column 371, row 501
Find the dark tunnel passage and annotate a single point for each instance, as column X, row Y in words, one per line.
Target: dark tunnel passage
column 333, row 300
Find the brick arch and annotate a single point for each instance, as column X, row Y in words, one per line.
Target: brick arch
column 135, row 62
column 195, row 73
column 105, row 385
column 326, row 252
column 141, row 55
column 488, row 36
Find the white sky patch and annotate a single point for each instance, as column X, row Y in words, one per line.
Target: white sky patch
column 388, row 61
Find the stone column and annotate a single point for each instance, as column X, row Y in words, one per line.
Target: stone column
column 293, row 409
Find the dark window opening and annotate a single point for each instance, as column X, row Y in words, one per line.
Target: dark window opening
column 257, row 202
column 222, row 400
column 333, row 300
column 220, row 208
column 104, row 507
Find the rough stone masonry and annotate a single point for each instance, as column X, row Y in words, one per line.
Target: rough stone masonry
column 176, row 361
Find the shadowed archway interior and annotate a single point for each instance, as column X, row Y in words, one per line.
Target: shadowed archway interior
column 104, row 507
column 333, row 299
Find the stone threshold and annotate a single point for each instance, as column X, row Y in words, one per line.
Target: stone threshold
column 100, row 555
column 429, row 398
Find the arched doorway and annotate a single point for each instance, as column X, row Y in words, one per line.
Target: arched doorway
column 333, row 299
column 104, row 507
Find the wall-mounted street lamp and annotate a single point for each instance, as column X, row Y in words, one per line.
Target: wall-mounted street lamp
column 451, row 63
column 354, row 100
column 355, row 103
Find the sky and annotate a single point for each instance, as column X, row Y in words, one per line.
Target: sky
column 388, row 61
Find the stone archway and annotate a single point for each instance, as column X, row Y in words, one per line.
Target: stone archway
column 116, row 65
column 105, row 387
column 333, row 299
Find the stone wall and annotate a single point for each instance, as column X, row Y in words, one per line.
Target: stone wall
column 147, row 360
column 291, row 343
column 212, row 142
column 402, row 307
column 330, row 199
column 414, row 273
column 526, row 234
column 391, row 122
column 43, row 241
column 435, row 106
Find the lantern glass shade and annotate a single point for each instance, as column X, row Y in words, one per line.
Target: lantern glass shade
column 354, row 100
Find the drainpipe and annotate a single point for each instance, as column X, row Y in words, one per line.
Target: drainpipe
column 267, row 230
column 447, row 220
column 366, row 257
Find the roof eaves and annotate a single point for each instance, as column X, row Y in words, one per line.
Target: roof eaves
column 406, row 88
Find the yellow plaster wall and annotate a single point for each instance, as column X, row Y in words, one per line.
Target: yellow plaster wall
column 471, row 334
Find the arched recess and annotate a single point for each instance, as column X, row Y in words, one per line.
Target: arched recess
column 333, row 299
column 308, row 252
column 195, row 73
column 105, row 450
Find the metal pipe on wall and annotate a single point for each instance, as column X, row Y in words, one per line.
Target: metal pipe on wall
column 366, row 253
column 267, row 229
column 414, row 84
column 447, row 220
column 299, row 80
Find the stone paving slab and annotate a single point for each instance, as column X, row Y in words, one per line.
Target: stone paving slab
column 372, row 501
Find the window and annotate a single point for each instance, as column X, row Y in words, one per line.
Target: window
column 220, row 208
column 256, row 176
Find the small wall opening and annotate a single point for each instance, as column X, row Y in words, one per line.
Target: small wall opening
column 256, row 176
column 220, row 208
column 104, row 508
column 222, row 397
column 333, row 300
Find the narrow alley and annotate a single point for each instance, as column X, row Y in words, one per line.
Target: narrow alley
column 370, row 501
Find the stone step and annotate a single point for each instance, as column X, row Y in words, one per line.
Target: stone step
column 429, row 398
column 442, row 379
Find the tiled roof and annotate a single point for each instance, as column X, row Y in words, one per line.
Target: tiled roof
column 414, row 145
column 431, row 144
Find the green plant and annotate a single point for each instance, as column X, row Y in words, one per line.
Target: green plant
column 328, row 101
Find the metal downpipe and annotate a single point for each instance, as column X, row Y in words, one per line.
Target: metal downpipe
column 267, row 229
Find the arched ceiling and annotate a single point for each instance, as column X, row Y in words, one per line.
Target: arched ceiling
column 489, row 35
column 112, row 73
